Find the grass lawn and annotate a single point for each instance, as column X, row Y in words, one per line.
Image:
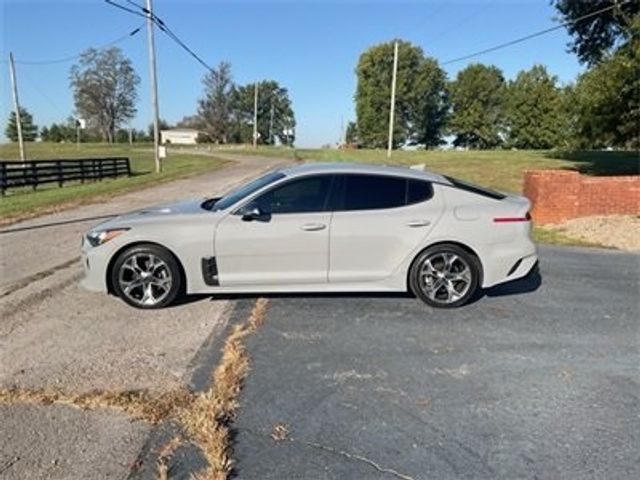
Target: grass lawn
column 498, row 169
column 24, row 203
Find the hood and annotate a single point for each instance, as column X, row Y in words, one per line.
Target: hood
column 157, row 213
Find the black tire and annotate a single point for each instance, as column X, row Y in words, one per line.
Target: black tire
column 170, row 269
column 465, row 286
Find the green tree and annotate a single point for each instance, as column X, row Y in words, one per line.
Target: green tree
column 421, row 100
column 351, row 134
column 215, row 107
column 477, row 100
column 276, row 119
column 29, row 130
column 534, row 115
column 606, row 101
column 595, row 36
column 104, row 85
column 162, row 125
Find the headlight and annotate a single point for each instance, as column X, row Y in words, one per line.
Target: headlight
column 98, row 237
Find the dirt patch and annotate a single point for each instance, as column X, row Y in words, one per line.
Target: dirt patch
column 617, row 231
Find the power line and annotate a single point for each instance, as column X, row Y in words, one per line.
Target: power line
column 127, row 9
column 535, row 34
column 74, row 57
column 162, row 26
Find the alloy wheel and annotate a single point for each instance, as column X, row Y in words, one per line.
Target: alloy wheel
column 445, row 277
column 145, row 279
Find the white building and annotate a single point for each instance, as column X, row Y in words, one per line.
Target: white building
column 179, row 136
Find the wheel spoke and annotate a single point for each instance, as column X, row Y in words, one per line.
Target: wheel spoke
column 132, row 285
column 148, row 297
column 452, row 293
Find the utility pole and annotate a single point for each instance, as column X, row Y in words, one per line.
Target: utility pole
column 154, row 86
column 16, row 106
column 255, row 115
column 271, row 123
column 393, row 98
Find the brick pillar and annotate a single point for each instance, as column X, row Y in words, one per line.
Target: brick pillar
column 553, row 193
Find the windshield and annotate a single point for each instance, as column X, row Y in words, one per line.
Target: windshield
column 236, row 195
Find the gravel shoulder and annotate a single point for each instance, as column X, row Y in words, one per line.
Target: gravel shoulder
column 616, row 231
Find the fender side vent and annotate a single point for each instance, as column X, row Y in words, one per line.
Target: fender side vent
column 210, row 271
column 514, row 268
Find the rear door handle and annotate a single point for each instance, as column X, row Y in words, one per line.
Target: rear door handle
column 313, row 227
column 418, row 223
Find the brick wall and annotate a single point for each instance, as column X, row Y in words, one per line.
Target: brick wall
column 559, row 195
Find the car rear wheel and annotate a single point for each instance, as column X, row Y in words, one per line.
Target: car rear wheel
column 445, row 276
column 146, row 276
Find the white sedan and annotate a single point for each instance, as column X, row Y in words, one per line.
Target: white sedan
column 318, row 228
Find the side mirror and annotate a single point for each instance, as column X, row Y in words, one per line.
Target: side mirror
column 251, row 212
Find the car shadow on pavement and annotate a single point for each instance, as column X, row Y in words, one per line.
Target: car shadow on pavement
column 527, row 284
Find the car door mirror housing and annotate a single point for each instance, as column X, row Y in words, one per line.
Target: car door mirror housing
column 252, row 212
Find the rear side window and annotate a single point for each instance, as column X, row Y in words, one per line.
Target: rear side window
column 418, row 191
column 369, row 192
column 377, row 192
column 470, row 187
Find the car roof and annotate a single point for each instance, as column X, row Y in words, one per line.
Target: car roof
column 362, row 168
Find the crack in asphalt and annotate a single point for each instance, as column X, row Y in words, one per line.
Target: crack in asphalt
column 332, row 450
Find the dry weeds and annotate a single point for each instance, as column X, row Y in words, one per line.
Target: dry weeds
column 280, row 432
column 207, row 420
column 136, row 403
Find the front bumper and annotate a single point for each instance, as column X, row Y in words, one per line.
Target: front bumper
column 95, row 261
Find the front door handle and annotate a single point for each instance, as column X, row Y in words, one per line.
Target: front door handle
column 313, row 227
column 418, row 223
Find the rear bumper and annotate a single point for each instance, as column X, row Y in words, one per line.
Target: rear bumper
column 506, row 262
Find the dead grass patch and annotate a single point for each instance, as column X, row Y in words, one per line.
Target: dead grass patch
column 208, row 418
column 135, row 403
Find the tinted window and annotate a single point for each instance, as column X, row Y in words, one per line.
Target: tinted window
column 418, row 191
column 245, row 190
column 297, row 196
column 372, row 192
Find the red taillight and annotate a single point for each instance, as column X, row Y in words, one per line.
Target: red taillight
column 526, row 218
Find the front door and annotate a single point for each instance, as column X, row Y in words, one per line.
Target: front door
column 287, row 243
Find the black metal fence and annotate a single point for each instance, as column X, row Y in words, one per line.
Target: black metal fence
column 39, row 172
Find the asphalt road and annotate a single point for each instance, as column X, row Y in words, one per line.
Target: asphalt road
column 525, row 383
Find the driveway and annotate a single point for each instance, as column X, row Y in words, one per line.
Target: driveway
column 541, row 384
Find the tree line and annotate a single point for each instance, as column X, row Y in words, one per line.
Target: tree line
column 105, row 92
column 480, row 109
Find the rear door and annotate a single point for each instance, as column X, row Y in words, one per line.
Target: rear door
column 289, row 245
column 378, row 221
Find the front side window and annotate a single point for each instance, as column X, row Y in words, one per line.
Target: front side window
column 246, row 190
column 297, row 196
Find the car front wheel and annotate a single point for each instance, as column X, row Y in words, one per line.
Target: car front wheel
column 445, row 276
column 146, row 276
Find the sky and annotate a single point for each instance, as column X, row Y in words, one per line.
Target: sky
column 310, row 46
